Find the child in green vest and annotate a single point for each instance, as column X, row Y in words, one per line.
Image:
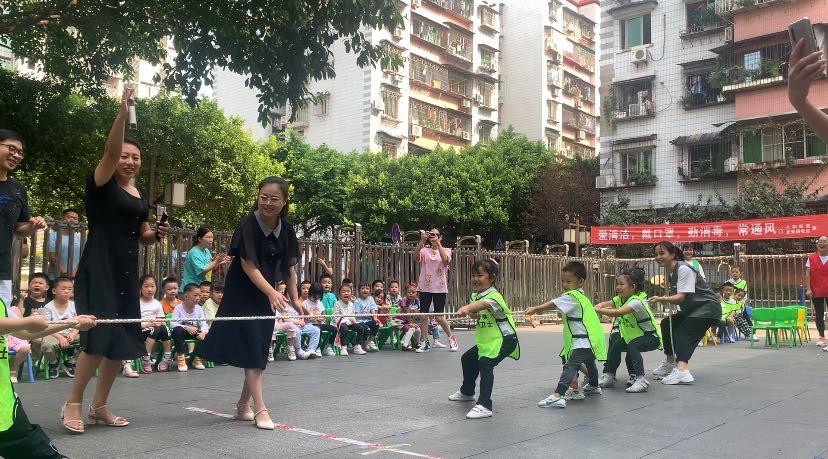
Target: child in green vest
column 495, row 338
column 736, row 280
column 639, row 332
column 18, row 437
column 582, row 332
column 730, row 308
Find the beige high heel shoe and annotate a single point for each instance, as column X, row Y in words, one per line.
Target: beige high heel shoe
column 117, row 421
column 267, row 425
column 245, row 414
column 75, row 426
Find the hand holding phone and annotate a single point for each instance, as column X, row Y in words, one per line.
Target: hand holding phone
column 802, row 30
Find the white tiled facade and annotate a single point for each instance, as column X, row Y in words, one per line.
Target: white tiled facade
column 548, row 49
column 671, row 56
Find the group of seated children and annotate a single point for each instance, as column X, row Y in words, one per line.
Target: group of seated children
column 188, row 318
column 58, row 349
column 736, row 313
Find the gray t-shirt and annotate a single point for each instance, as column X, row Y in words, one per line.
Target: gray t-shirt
column 14, row 208
column 699, row 301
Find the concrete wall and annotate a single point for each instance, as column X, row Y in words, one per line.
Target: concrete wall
column 523, row 68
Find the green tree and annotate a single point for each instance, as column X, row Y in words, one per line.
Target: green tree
column 281, row 44
column 66, row 132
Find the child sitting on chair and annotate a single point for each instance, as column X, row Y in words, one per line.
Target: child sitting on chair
column 60, row 308
column 188, row 323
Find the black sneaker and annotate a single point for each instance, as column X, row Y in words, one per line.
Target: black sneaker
column 53, row 371
column 69, row 369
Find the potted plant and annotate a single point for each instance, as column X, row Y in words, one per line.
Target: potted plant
column 644, row 177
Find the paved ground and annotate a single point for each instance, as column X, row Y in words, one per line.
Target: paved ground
column 751, row 403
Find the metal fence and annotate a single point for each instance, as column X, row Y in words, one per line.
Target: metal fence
column 526, row 279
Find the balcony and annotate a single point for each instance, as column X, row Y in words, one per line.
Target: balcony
column 435, row 76
column 701, row 20
column 579, row 121
column 429, row 32
column 628, row 100
column 462, row 8
column 578, row 29
column 578, row 89
column 460, row 46
column 699, row 93
column 439, row 120
column 490, row 19
column 751, row 69
column 488, row 60
column 734, row 6
column 583, row 57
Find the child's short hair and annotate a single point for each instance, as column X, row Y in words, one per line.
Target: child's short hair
column 488, row 266
column 63, row 279
column 347, row 280
column 169, row 280
column 325, row 276
column 145, row 278
column 345, row 285
column 305, row 282
column 376, row 281
column 379, row 292
column 364, row 284
column 577, row 268
column 637, row 278
column 315, row 290
column 687, row 245
column 735, row 268
column 190, row 287
column 728, row 284
column 392, row 282
column 740, row 290
column 410, row 288
column 39, row 276
column 217, row 287
column 205, row 284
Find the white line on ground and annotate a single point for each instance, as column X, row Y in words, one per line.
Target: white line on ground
column 375, row 447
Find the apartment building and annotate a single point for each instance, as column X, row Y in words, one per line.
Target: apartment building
column 549, row 89
column 695, row 96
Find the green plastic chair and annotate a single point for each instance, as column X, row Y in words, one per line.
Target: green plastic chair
column 785, row 321
column 328, row 318
column 763, row 319
column 389, row 331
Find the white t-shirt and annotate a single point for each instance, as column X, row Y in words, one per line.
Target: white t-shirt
column 150, row 310
column 568, row 305
column 640, row 313
column 686, row 280
column 314, row 308
column 51, row 314
column 821, row 258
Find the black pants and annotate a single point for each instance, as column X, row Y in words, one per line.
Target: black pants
column 687, row 331
column 819, row 314
column 573, row 364
column 366, row 330
column 179, row 335
column 157, row 333
column 427, row 298
column 474, row 365
column 330, row 329
column 614, row 336
column 635, row 363
column 24, row 439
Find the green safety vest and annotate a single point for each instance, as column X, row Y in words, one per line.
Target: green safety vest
column 8, row 399
column 616, row 324
column 590, row 323
column 491, row 329
column 696, row 265
column 742, row 284
column 728, row 307
column 631, row 325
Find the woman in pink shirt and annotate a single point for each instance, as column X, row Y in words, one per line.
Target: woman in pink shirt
column 433, row 284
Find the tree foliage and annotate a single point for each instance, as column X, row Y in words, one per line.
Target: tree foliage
column 567, row 189
column 65, row 135
column 281, row 44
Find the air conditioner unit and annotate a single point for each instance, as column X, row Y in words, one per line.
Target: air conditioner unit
column 465, row 103
column 378, row 106
column 466, row 135
column 398, row 32
column 416, row 131
column 552, row 78
column 637, row 110
column 638, row 55
column 478, row 99
column 684, row 169
column 729, row 34
column 604, row 181
column 731, row 164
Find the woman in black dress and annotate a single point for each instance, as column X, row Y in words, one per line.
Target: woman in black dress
column 106, row 285
column 265, row 251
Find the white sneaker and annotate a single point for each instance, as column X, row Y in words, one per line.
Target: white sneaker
column 303, row 354
column 589, row 389
column 607, row 381
column 631, row 381
column 270, row 357
column 424, row 347
column 663, row 370
column 437, row 343
column 678, row 377
column 461, row 397
column 640, row 385
column 343, row 351
column 453, row 346
column 479, row 412
column 328, row 351
column 291, row 353
column 13, row 379
column 553, row 402
column 572, row 394
column 372, row 346
column 358, row 350
column 318, row 352
column 821, row 342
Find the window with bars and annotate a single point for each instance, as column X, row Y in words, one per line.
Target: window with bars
column 489, row 18
column 780, row 143
column 583, row 56
column 633, row 99
column 429, row 31
column 700, row 92
column 636, row 163
column 322, row 105
column 428, row 73
column 389, row 149
column 437, row 119
column 707, row 161
column 578, row 88
column 486, row 91
column 488, row 58
column 552, row 111
column 460, row 45
column 485, row 132
column 391, row 103
column 301, row 114
column 461, row 7
column 459, row 84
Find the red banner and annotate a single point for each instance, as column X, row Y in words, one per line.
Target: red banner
column 807, row 226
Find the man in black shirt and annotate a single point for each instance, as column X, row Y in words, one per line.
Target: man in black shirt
column 14, row 208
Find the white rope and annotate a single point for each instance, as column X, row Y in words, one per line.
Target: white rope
column 239, row 318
